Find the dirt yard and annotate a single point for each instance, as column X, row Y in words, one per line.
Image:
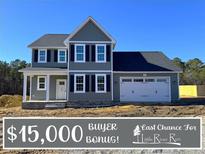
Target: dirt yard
column 10, row 105
column 115, row 111
column 186, row 107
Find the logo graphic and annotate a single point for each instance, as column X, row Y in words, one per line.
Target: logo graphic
column 155, row 138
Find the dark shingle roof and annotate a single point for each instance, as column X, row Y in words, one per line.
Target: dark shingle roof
column 142, row 61
column 50, row 40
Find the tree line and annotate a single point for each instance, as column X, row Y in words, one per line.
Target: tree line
column 11, row 81
column 193, row 71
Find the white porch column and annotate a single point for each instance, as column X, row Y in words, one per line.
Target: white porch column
column 24, row 87
column 47, row 87
column 30, row 87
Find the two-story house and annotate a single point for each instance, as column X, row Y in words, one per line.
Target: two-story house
column 82, row 68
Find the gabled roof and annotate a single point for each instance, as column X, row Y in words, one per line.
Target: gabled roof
column 50, row 40
column 89, row 19
column 143, row 62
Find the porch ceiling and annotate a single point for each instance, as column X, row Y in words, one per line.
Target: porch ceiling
column 43, row 71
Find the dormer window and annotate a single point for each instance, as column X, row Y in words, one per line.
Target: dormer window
column 100, row 53
column 62, row 56
column 79, row 52
column 42, row 55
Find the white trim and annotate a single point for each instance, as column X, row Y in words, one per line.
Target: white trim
column 45, row 73
column 64, row 50
column 24, row 87
column 112, row 81
column 47, row 47
column 83, row 24
column 38, row 88
column 58, row 100
column 42, row 49
column 91, row 71
column 96, row 53
column 96, row 83
column 170, row 89
column 178, row 80
column 94, row 42
column 58, row 80
column 68, row 86
column 146, row 72
column 147, row 77
column 68, row 70
column 32, row 54
column 47, row 87
column 75, row 87
column 30, row 87
column 79, row 61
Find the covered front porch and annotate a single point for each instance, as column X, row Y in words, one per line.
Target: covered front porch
column 44, row 87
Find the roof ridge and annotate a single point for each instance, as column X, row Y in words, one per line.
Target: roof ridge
column 56, row 34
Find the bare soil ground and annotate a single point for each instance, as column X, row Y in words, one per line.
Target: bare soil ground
column 115, row 111
column 187, row 107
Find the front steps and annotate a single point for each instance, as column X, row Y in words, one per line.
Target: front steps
column 55, row 105
column 43, row 105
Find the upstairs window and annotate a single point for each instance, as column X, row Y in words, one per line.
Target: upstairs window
column 62, row 56
column 100, row 53
column 80, row 53
column 100, row 83
column 79, row 83
column 42, row 55
column 41, row 83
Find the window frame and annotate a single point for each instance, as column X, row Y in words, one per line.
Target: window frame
column 39, row 61
column 96, row 53
column 64, row 50
column 79, row 61
column 38, row 83
column 75, row 84
column 96, row 83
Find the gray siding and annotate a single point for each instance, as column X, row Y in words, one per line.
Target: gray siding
column 90, row 96
column 91, row 65
column 41, row 94
column 37, row 94
column 90, row 32
column 51, row 64
column 173, row 78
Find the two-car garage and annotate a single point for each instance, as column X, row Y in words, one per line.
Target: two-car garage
column 145, row 89
column 144, row 77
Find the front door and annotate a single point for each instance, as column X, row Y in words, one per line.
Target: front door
column 61, row 89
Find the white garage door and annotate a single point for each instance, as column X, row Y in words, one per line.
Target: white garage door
column 145, row 89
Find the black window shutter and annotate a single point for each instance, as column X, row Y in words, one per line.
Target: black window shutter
column 66, row 55
column 108, row 83
column 93, row 83
column 48, row 55
column 108, row 52
column 72, row 54
column 55, row 55
column 35, row 55
column 87, row 82
column 87, row 50
column 93, row 52
column 71, row 83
